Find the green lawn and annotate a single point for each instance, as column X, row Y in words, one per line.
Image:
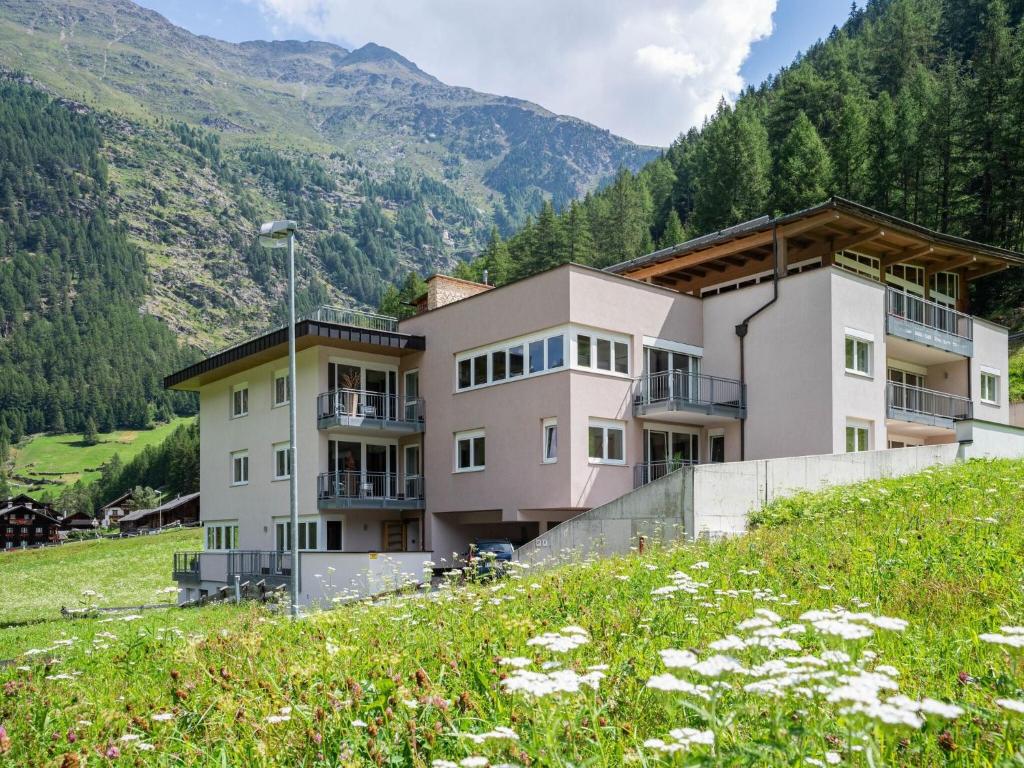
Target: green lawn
column 65, row 459
column 714, row 637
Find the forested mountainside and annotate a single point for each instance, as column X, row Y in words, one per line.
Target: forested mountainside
column 914, row 107
column 387, row 169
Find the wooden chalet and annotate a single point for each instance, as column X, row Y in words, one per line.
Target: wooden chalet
column 25, row 522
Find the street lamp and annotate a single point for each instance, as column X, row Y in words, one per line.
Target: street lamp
column 278, row 234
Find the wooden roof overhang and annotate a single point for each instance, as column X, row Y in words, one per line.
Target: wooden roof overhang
column 751, row 248
column 274, row 345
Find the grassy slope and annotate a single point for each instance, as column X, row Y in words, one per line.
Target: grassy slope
column 923, row 549
column 38, row 582
column 67, row 455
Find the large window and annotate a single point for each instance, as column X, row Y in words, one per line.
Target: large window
column 601, row 353
column 307, row 535
column 470, row 451
column 521, row 358
column 221, row 536
column 239, row 467
column 606, row 442
column 239, row 400
column 990, row 387
column 858, row 436
column 549, row 446
column 280, row 388
column 858, row 354
column 282, row 461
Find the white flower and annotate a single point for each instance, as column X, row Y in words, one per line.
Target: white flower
column 277, row 718
column 358, row 724
column 673, row 658
column 569, row 639
column 717, row 665
column 833, row 758
column 703, row 565
column 162, row 716
column 444, row 764
column 515, row 661
column 499, row 732
column 1014, row 641
column 1014, row 705
column 543, row 684
column 474, row 762
column 669, row 682
column 683, row 739
column 130, row 737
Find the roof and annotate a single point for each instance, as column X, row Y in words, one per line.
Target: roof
column 139, row 514
column 118, row 501
column 44, row 513
column 837, row 204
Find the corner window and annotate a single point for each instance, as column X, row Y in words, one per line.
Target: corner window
column 281, row 389
column 604, row 354
column 282, row 461
column 858, row 355
column 479, row 370
column 465, row 380
column 239, row 400
column 239, row 467
column 549, row 447
column 858, row 436
column 470, row 451
column 583, row 351
column 556, row 355
column 621, row 357
column 536, row 356
column 990, row 387
column 498, row 365
column 515, row 361
column 606, row 442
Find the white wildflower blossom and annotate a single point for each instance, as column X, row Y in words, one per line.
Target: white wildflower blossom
column 474, row 761
column 1014, row 641
column 714, row 666
column 162, row 716
column 499, row 732
column 1014, row 705
column 568, row 639
column 673, row 658
column 544, row 684
column 682, row 739
column 669, row 682
column 515, row 661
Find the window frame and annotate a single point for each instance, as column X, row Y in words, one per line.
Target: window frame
column 858, row 426
column 470, row 436
column 547, row 425
column 993, row 376
column 236, row 456
column 241, row 388
column 855, row 338
column 606, row 426
column 278, row 376
column 222, row 533
column 278, row 449
column 303, row 534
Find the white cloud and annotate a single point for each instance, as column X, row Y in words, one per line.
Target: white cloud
column 646, row 69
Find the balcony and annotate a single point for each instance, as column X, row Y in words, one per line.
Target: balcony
column 272, row 568
column 363, row 410
column 186, row 566
column 925, row 406
column 368, row 490
column 926, row 322
column 650, row 471
column 700, row 399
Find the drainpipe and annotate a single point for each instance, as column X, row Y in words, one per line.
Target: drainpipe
column 743, row 327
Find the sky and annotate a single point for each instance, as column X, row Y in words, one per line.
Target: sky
column 644, row 69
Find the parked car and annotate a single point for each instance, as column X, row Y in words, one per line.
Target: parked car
column 490, row 556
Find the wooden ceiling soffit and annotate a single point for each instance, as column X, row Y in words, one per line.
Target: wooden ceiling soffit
column 905, row 255
column 751, row 269
column 949, row 265
column 974, row 274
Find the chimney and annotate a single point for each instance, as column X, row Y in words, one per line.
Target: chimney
column 444, row 289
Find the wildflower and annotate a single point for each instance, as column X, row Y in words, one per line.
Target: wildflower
column 569, row 639
column 358, row 724
column 112, row 752
column 682, row 739
column 162, row 716
column 515, row 661
column 669, row 682
column 332, row 648
column 1014, row 705
column 715, row 666
column 474, row 762
column 499, row 732
column 673, row 658
column 833, row 758
column 543, row 684
column 1014, row 641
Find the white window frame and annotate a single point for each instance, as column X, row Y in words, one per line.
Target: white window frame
column 606, row 425
column 595, row 337
column 304, row 525
column 547, row 455
column 859, row 337
column 222, row 533
column 280, row 448
column 242, row 456
column 235, row 390
column 278, row 376
column 860, row 425
column 471, row 435
column 992, row 375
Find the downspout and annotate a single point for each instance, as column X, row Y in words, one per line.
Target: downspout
column 743, row 327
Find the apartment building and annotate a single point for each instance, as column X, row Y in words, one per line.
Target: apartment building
column 500, row 412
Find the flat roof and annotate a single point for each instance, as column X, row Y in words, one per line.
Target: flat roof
column 274, row 344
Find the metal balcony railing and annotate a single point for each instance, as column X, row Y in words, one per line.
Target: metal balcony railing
column 366, row 404
column 903, row 400
column 929, row 314
column 256, row 563
column 692, row 391
column 650, row 471
column 185, row 564
column 325, row 314
column 384, row 486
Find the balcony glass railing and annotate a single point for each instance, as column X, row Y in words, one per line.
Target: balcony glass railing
column 383, row 486
column 927, row 402
column 929, row 314
column 690, row 390
column 650, row 471
column 366, row 404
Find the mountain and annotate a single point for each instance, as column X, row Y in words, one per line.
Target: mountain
column 387, row 169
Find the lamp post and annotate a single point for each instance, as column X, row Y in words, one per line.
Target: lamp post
column 278, row 234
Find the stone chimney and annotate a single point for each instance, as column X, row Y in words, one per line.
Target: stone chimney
column 444, row 289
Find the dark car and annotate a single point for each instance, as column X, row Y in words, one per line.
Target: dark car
column 490, row 556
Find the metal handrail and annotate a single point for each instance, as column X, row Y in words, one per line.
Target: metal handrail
column 929, row 402
column 650, row 471
column 368, row 485
column 186, row 562
column 258, row 562
column 929, row 314
column 692, row 388
column 356, row 318
column 368, row 404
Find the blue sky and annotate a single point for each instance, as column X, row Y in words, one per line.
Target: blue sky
column 646, row 69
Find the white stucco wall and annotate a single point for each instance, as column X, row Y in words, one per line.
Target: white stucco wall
column 991, row 351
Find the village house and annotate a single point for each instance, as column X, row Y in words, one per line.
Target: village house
column 182, row 510
column 500, row 412
column 26, row 522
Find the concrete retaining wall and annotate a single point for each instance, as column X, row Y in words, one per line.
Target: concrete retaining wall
column 989, row 440
column 328, row 576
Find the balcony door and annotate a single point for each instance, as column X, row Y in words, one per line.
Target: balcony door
column 412, row 393
column 659, row 363
column 412, row 471
column 665, row 451
column 344, row 382
column 345, row 463
column 359, row 390
column 655, row 453
column 906, row 394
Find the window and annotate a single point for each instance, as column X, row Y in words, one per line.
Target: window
column 498, row 365
column 556, row 357
column 536, row 356
column 239, row 400
column 583, row 351
column 515, row 361
column 858, row 436
column 621, row 358
column 282, row 461
column 239, row 467
column 465, row 366
column 549, row 448
column 479, row 370
column 858, row 263
column 469, row 451
column 221, row 536
column 990, row 387
column 307, row 535
column 606, row 442
column 858, row 355
column 281, row 389
column 604, row 354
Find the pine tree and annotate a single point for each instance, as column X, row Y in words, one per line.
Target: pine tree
column 90, row 435
column 673, row 234
column 849, row 149
column 804, row 171
column 579, row 238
